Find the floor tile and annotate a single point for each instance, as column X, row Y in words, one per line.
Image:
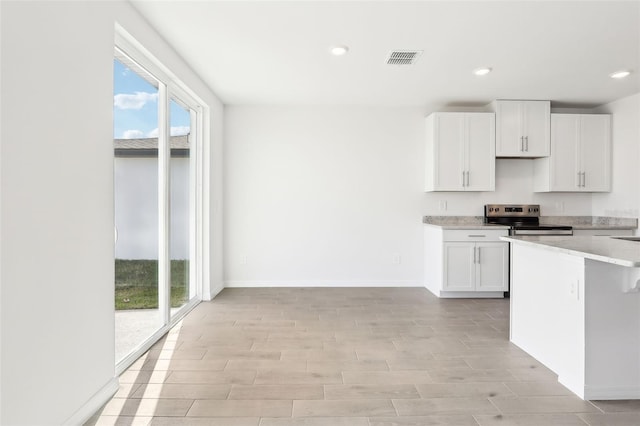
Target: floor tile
column 446, row 420
column 530, row 420
column 544, row 404
column 386, row 391
column 209, row 421
column 427, row 406
column 618, row 406
column 386, row 377
column 275, row 377
column 238, row 408
column 548, row 388
column 212, row 377
column 182, row 391
column 611, row 419
column 426, row 364
column 254, row 392
column 339, row 366
column 464, row 390
column 266, row 364
column 343, row 408
column 315, row 421
column 147, row 407
column 121, row 421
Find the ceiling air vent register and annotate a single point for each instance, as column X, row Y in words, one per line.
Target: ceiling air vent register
column 403, row 57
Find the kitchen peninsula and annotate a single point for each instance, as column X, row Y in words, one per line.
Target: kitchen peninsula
column 575, row 306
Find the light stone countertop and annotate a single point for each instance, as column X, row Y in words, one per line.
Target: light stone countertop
column 460, row 222
column 592, row 222
column 602, row 249
column 578, row 222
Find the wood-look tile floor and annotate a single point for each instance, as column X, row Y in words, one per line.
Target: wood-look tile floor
column 350, row 357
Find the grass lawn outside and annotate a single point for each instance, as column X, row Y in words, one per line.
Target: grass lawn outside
column 136, row 285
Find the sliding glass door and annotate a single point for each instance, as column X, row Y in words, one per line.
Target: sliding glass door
column 155, row 165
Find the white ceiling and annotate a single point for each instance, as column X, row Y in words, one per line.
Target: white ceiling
column 277, row 53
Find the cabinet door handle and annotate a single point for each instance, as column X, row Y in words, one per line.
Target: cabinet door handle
column 463, row 182
column 584, row 179
column 521, row 143
column 474, row 255
column 467, row 177
column 478, row 255
column 526, row 139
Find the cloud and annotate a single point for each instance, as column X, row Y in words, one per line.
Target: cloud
column 132, row 134
column 175, row 131
column 133, row 101
column 180, row 130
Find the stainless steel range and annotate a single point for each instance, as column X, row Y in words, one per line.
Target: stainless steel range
column 522, row 219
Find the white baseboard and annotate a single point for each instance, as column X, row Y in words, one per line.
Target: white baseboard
column 471, row 294
column 322, row 283
column 94, row 403
column 611, row 393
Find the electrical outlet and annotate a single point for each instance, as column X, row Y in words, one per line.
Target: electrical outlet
column 243, row 259
column 396, row 259
column 443, row 205
column 560, row 206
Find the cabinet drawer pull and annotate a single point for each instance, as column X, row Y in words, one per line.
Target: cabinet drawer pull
column 477, row 236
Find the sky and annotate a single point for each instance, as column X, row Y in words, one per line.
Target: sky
column 135, row 107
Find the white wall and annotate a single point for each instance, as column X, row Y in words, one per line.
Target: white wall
column 624, row 198
column 328, row 195
column 322, row 196
column 136, row 207
column 57, row 248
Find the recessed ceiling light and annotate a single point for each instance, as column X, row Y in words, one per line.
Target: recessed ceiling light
column 620, row 74
column 482, row 71
column 339, row 50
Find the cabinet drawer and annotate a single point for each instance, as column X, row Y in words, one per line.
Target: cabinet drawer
column 474, row 234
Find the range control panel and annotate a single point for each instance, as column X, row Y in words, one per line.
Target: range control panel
column 512, row 210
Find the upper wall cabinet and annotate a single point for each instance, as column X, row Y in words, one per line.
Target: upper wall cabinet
column 460, row 151
column 522, row 128
column 580, row 158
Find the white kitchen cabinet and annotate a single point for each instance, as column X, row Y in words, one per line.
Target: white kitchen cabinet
column 580, row 159
column 460, row 151
column 479, row 266
column 522, row 128
column 466, row 263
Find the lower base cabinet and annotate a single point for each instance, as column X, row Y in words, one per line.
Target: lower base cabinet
column 466, row 263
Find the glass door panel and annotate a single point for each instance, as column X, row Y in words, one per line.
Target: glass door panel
column 135, row 110
column 181, row 204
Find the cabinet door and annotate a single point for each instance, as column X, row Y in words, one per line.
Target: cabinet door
column 509, row 130
column 536, row 116
column 595, row 152
column 480, row 151
column 459, row 267
column 564, row 167
column 449, row 146
column 492, row 266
